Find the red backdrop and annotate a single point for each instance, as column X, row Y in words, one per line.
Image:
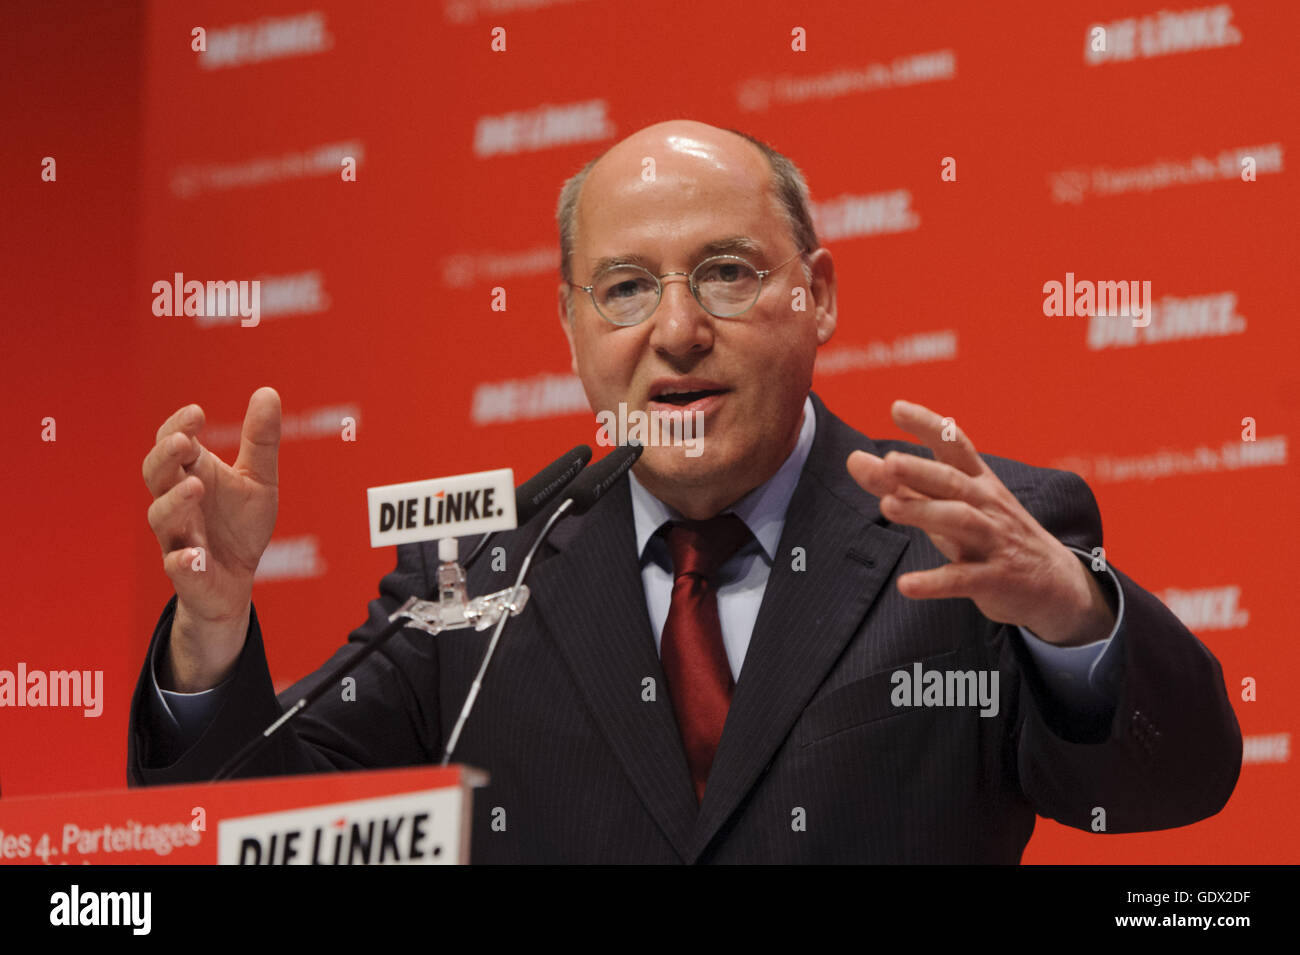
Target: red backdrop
column 1121, row 163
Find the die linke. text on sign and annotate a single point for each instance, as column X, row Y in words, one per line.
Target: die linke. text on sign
column 443, row 507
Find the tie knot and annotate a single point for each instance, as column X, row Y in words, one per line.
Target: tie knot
column 701, row 547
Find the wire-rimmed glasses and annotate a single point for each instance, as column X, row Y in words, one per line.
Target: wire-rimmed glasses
column 726, row 286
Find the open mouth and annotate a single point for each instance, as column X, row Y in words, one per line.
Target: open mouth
column 682, row 398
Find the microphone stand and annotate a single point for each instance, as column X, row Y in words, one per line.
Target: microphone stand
column 501, row 625
column 427, row 615
column 434, row 616
column 583, row 494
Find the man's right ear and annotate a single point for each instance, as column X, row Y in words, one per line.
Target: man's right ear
column 564, row 299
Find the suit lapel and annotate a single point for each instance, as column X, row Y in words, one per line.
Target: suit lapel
column 591, row 601
column 806, row 619
column 591, row 597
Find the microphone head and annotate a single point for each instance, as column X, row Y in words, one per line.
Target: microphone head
column 603, row 475
column 534, row 494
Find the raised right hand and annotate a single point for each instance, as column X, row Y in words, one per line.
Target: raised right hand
column 213, row 521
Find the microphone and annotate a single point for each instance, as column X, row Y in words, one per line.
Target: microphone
column 586, row 490
column 531, row 498
column 539, row 490
column 535, row 493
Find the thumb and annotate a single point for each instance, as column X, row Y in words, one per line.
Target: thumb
column 259, row 441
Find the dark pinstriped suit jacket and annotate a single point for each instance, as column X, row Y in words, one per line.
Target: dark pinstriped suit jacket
column 815, row 763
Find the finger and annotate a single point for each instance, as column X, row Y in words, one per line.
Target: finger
column 934, row 479
column 948, row 442
column 259, row 440
column 176, row 517
column 946, row 582
column 873, row 477
column 188, row 419
column 956, row 521
column 165, row 464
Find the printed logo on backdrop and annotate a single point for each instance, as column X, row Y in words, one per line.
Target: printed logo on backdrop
column 309, row 163
column 878, row 213
column 1206, row 608
column 327, row 421
column 420, row 828
column 465, row 268
column 546, row 395
column 465, row 11
column 1160, row 34
column 296, row 293
column 913, row 349
column 1266, row 748
column 1171, row 319
column 1242, row 163
column 290, row 558
column 543, row 127
column 1070, row 185
column 757, row 93
column 1231, row 455
column 754, row 94
column 271, row 38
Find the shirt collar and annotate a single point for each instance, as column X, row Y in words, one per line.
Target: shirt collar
column 762, row 509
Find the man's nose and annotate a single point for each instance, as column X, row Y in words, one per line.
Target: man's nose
column 681, row 324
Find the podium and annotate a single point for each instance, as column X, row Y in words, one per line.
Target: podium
column 408, row 816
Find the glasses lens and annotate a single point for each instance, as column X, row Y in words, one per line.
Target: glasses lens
column 726, row 285
column 626, row 295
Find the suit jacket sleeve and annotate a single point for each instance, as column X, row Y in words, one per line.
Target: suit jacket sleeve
column 1170, row 752
column 390, row 717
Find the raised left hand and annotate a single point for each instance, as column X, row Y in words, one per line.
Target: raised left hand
column 1000, row 557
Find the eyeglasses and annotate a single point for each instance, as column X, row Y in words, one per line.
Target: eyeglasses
column 726, row 286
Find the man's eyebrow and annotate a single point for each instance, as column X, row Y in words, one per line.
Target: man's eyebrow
column 741, row 245
column 614, row 261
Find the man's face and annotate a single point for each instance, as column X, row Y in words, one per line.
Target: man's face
column 749, row 374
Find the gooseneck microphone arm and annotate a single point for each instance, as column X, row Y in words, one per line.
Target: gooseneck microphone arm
column 468, row 562
column 584, row 493
column 538, row 491
column 530, row 499
column 496, row 634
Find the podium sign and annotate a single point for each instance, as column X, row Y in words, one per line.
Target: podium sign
column 380, row 817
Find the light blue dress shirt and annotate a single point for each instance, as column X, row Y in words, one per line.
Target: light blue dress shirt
column 1076, row 676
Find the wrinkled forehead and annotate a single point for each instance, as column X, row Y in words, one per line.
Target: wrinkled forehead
column 667, row 197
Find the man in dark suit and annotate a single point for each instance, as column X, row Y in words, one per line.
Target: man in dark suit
column 800, row 645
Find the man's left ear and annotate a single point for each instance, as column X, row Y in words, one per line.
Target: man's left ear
column 823, row 293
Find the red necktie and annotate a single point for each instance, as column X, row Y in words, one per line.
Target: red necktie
column 691, row 650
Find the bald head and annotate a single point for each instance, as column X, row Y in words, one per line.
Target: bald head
column 680, row 147
column 685, row 151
